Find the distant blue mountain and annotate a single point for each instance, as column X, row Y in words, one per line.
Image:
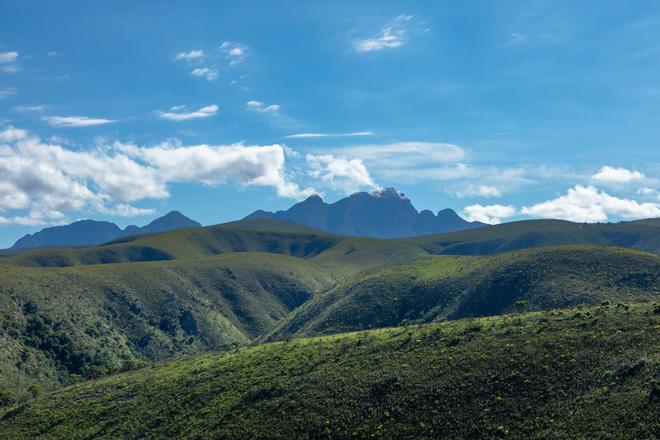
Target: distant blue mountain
column 91, row 232
column 385, row 213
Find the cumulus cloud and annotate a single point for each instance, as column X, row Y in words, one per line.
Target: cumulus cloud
column 589, row 204
column 205, row 72
column 613, row 176
column 190, row 55
column 392, row 35
column 44, row 181
column 490, row 214
column 178, row 113
column 326, row 135
column 340, row 173
column 76, row 121
column 236, row 53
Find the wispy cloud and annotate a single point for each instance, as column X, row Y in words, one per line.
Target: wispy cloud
column 75, row 121
column 178, row 113
column 327, row 135
column 8, row 57
column 205, row 72
column 6, row 92
column 261, row 107
column 236, row 53
column 190, row 55
column 29, row 108
column 8, row 62
column 392, row 35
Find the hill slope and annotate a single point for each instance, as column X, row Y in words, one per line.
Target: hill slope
column 382, row 214
column 58, row 324
column 454, row 287
column 579, row 374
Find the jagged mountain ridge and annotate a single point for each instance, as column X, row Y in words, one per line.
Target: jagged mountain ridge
column 385, row 213
column 92, row 232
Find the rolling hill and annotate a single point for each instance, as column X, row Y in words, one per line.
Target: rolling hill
column 451, row 287
column 60, row 324
column 589, row 373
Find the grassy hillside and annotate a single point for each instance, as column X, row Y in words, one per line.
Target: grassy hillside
column 59, row 324
column 343, row 255
column 454, row 287
column 643, row 234
column 589, row 373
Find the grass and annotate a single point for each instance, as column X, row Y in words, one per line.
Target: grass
column 581, row 373
column 58, row 325
column 457, row 286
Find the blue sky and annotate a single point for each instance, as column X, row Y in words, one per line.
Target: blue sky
column 500, row 110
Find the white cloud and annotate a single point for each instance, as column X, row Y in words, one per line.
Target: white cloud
column 29, row 108
column 613, row 176
column 235, row 52
column 9, row 68
column 176, row 113
column 11, row 134
column 588, row 204
column 491, row 214
column 205, row 72
column 340, row 173
column 478, row 191
column 125, row 210
column 45, row 180
column 326, row 135
column 8, row 62
column 405, row 154
column 76, row 121
column 392, row 35
column 260, row 107
column 6, row 92
column 190, row 55
column 8, row 57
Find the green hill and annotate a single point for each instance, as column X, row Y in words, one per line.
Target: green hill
column 59, row 324
column 642, row 234
column 454, row 287
column 589, row 373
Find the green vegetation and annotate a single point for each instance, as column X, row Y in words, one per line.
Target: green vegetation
column 58, row 325
column 101, row 320
column 576, row 373
column 454, row 287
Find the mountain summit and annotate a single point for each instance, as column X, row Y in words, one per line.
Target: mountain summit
column 385, row 213
column 91, row 232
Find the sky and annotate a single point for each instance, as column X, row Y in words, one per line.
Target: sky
column 502, row 110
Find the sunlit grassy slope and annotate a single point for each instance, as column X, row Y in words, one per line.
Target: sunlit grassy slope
column 585, row 373
column 59, row 323
column 457, row 286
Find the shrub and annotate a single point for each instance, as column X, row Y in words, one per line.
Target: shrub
column 7, row 398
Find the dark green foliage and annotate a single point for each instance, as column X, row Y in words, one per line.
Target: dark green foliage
column 523, row 376
column 455, row 287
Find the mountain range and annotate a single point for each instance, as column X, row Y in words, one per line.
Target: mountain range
column 91, row 232
column 386, row 213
